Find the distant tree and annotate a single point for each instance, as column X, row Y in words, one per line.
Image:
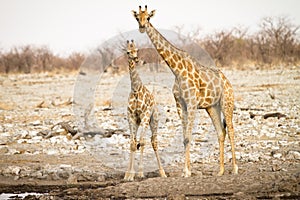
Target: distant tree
column 27, row 57
column 75, row 60
column 107, row 55
column 219, row 45
column 277, row 40
column 44, row 59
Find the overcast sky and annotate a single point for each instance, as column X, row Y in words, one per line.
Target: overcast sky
column 79, row 25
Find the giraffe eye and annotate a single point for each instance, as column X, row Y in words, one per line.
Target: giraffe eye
column 148, row 18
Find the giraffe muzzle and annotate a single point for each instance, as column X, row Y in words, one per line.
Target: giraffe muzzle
column 142, row 29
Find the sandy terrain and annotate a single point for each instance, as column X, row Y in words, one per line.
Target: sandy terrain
column 39, row 157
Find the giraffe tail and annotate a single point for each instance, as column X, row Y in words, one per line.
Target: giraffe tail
column 224, row 123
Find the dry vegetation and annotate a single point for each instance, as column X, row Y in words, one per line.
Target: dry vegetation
column 276, row 43
column 30, row 59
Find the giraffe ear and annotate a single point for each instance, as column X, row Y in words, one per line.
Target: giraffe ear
column 134, row 13
column 152, row 13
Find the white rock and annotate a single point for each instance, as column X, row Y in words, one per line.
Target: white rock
column 24, row 134
column 52, row 152
column 5, row 134
column 65, row 140
column 39, row 175
column 275, row 147
column 13, row 151
column 34, row 133
column 25, row 171
column 270, row 124
column 270, row 134
column 36, row 139
column 9, row 126
column 293, row 155
column 238, row 155
column 20, row 141
column 4, row 140
column 277, row 155
column 36, row 152
column 266, row 157
column 59, row 131
column 81, row 148
column 54, row 140
column 15, row 170
column 35, row 123
column 254, row 158
column 283, row 143
column 65, row 166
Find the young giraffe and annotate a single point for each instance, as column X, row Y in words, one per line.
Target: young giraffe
column 142, row 112
column 195, row 87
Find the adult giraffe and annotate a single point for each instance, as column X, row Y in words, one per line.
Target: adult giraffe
column 196, row 86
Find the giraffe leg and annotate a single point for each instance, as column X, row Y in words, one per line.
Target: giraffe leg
column 228, row 113
column 187, row 119
column 141, row 146
column 145, row 119
column 231, row 138
column 187, row 124
column 153, row 127
column 215, row 115
column 129, row 175
column 177, row 99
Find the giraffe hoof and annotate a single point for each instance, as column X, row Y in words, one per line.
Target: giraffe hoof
column 186, row 173
column 162, row 173
column 222, row 169
column 220, row 173
column 235, row 169
column 129, row 176
column 141, row 174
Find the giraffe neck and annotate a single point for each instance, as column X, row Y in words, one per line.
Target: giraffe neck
column 166, row 50
column 135, row 79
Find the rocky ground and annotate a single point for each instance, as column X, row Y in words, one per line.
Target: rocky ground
column 40, row 160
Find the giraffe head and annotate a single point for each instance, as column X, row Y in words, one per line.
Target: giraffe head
column 143, row 17
column 132, row 51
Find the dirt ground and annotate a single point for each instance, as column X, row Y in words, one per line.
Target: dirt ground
column 40, row 160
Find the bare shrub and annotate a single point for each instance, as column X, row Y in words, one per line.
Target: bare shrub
column 30, row 59
column 277, row 41
column 220, row 45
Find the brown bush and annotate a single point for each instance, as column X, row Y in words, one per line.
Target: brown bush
column 29, row 59
column 276, row 43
